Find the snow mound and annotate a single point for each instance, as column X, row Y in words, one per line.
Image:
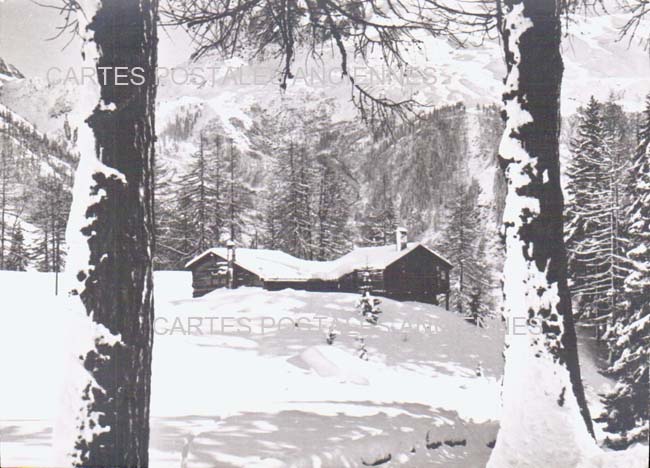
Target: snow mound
column 328, row 361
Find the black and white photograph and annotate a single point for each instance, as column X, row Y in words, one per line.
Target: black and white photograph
column 324, row 233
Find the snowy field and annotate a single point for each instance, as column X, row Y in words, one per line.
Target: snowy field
column 245, row 378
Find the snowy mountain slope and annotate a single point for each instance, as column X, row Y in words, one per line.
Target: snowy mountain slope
column 21, row 109
column 32, row 161
column 440, row 73
column 44, row 156
column 482, row 157
column 44, row 104
column 596, row 61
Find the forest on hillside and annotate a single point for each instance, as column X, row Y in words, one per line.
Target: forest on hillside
column 35, row 195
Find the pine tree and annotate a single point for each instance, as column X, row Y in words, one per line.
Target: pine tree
column 332, row 215
column 199, row 204
column 294, row 215
column 218, row 209
column 627, row 407
column 272, row 237
column 17, row 259
column 238, row 197
column 304, row 206
column 167, row 255
column 195, row 197
column 464, row 247
column 301, row 217
column 50, row 215
column 183, row 236
column 476, row 307
column 191, row 209
column 481, row 303
column 331, row 199
column 588, row 141
column 379, row 224
column 596, row 237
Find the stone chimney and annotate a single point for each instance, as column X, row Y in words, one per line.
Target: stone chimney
column 401, row 238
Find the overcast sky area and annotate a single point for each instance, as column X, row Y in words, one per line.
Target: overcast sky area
column 26, row 27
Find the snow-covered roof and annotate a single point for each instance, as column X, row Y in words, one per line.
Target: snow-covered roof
column 264, row 263
column 375, row 258
column 277, row 265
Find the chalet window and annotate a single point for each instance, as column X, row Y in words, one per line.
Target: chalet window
column 220, row 269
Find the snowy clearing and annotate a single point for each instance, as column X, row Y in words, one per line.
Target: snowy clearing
column 237, row 384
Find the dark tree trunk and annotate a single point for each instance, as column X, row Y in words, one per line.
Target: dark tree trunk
column 112, row 239
column 542, row 390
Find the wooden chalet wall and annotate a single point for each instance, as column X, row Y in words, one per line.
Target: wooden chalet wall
column 419, row 275
column 352, row 282
column 302, row 285
column 206, row 279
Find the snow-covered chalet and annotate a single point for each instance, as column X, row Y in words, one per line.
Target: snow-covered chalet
column 403, row 271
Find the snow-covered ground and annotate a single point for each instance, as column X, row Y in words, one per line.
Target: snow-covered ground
column 245, row 378
column 257, row 390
